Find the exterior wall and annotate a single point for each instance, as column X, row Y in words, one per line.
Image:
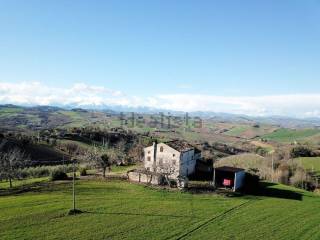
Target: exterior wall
column 168, row 156
column 239, row 180
column 149, row 154
column 144, row 178
column 188, row 163
column 184, row 163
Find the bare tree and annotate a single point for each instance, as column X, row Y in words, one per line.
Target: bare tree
column 11, row 162
column 105, row 161
column 167, row 170
column 136, row 153
column 98, row 160
column 72, row 148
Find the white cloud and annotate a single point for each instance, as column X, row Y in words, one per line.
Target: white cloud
column 36, row 93
column 80, row 94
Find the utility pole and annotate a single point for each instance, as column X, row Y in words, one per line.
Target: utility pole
column 73, row 187
column 272, row 167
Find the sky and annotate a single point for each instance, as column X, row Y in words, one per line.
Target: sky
column 247, row 57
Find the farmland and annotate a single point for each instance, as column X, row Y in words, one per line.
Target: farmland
column 120, row 210
column 291, row 135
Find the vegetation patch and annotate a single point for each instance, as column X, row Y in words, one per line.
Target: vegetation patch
column 290, row 135
column 309, row 163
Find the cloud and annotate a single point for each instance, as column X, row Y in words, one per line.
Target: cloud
column 297, row 105
column 36, row 93
column 82, row 95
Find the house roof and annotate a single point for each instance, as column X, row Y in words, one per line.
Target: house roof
column 180, row 145
column 229, row 169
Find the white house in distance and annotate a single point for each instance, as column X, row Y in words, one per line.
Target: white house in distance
column 179, row 157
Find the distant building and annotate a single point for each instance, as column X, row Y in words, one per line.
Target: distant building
column 177, row 157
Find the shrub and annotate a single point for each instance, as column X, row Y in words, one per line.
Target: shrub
column 58, row 174
column 83, row 172
column 261, row 151
column 301, row 151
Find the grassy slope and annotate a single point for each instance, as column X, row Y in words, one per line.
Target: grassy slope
column 237, row 130
column 291, row 135
column 245, row 160
column 120, row 210
column 269, row 218
column 309, row 163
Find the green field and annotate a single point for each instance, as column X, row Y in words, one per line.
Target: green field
column 310, row 163
column 290, row 135
column 10, row 111
column 120, row 210
column 236, row 131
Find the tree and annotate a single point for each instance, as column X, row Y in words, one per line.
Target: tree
column 72, row 148
column 300, row 151
column 167, row 170
column 103, row 161
column 10, row 163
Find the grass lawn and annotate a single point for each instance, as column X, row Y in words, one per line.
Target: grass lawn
column 290, row 135
column 19, row 183
column 123, row 169
column 309, row 163
column 121, row 210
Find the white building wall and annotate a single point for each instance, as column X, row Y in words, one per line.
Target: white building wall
column 149, row 158
column 168, row 156
column 184, row 163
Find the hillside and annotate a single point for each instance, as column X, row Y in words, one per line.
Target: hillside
column 120, row 210
column 228, row 130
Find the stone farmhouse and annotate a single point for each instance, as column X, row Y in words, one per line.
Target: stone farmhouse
column 178, row 157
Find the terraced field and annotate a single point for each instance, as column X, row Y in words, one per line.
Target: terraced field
column 121, row 210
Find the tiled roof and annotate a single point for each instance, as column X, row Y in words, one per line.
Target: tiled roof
column 179, row 145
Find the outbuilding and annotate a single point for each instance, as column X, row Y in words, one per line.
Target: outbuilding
column 228, row 177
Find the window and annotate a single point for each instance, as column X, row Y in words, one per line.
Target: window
column 148, row 152
column 149, row 159
column 161, row 149
column 173, row 155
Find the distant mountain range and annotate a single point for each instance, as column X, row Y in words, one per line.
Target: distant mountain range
column 282, row 121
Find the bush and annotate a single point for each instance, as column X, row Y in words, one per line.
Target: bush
column 261, row 151
column 42, row 171
column 58, row 174
column 83, row 172
column 301, row 151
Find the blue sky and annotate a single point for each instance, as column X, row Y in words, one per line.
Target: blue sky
column 163, row 49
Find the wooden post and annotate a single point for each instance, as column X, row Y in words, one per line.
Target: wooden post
column 73, row 187
column 272, row 172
